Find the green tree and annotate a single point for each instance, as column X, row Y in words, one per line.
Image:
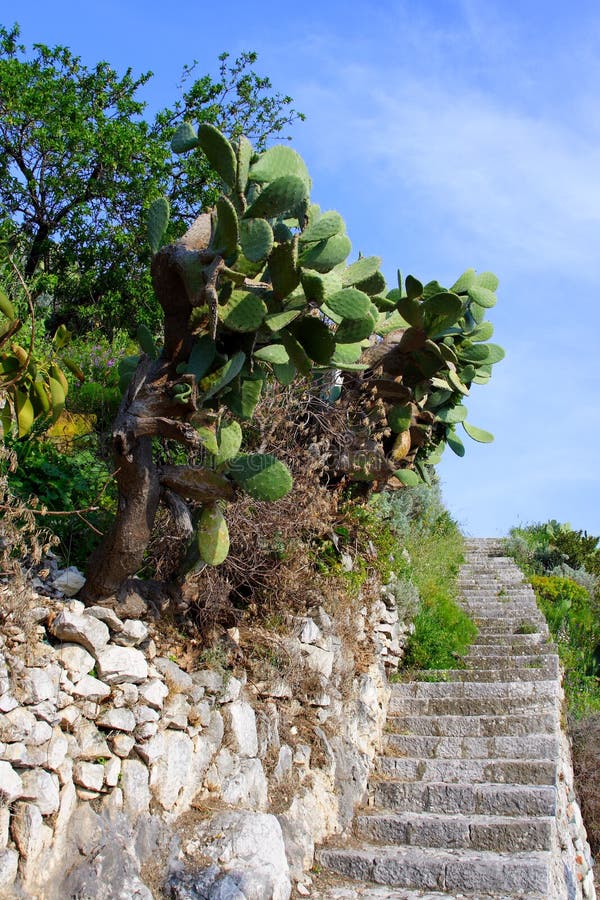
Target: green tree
column 79, row 163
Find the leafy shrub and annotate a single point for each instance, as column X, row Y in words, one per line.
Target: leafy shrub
column 64, row 482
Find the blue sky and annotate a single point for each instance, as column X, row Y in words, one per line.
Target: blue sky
column 449, row 134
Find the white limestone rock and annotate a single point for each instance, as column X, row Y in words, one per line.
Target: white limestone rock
column 11, row 785
column 154, row 692
column 134, row 784
column 76, row 660
column 88, row 775
column 9, row 864
column 106, row 615
column 170, row 772
column 132, row 633
column 69, row 581
column 90, row 688
column 42, row 788
column 117, row 720
column 88, row 631
column 241, row 723
column 119, row 664
column 176, row 678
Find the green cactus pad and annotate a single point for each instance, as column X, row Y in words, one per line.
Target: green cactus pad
column 219, row 152
column 452, row 415
column 435, row 457
column 466, row 280
column 361, row 270
column 273, row 353
column 278, row 162
column 243, row 312
column 316, row 339
column 481, row 378
column 278, row 197
column 256, row 239
column 457, row 383
column 351, row 331
column 243, row 156
column 487, row 280
column 438, row 398
column 454, row 442
column 408, row 477
column 184, row 139
column 441, row 311
column 392, row 322
column 284, row 271
column 242, row 400
column 346, row 354
column 411, row 310
column 474, row 353
column 318, row 286
column 482, row 296
column 482, row 332
column 478, row 434
column 383, row 304
column 209, row 439
column 213, row 536
column 373, row 286
column 325, row 255
column 467, row 373
column 216, row 381
column 146, row 341
column 495, row 353
column 448, row 353
column 350, row 303
column 158, row 219
column 296, row 351
column 201, row 358
column 230, row 441
column 399, row 418
column 282, row 232
column 261, row 475
column 285, row 374
column 225, row 238
column 414, row 288
column 276, row 321
column 329, row 224
column 477, row 313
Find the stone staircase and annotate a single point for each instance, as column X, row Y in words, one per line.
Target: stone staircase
column 464, row 801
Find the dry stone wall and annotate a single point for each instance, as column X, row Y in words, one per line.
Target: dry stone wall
column 122, row 775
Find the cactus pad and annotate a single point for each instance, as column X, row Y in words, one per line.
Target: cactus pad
column 219, row 152
column 213, row 536
column 225, row 238
column 278, row 197
column 482, row 296
column 243, row 312
column 283, row 268
column 351, row 331
column 256, row 239
column 316, row 339
column 278, row 162
column 324, row 227
column 261, row 475
column 478, row 434
column 325, row 255
column 361, row 270
column 350, row 303
column 158, row 219
column 273, row 353
column 184, row 139
column 230, row 441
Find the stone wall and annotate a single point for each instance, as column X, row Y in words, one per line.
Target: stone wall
column 122, row 775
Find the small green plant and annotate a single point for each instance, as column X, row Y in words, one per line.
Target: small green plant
column 526, row 628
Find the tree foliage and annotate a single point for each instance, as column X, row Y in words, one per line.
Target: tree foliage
column 79, row 163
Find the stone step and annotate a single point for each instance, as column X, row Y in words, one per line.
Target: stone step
column 468, row 706
column 475, row 674
column 480, row 798
column 503, row 627
column 452, row 689
column 536, row 746
column 446, row 870
column 506, row 642
column 501, row 834
column 355, row 890
column 503, row 654
column 473, row 726
column 502, row 771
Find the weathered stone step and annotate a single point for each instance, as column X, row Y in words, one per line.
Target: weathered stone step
column 534, row 746
column 501, row 834
column 504, row 627
column 479, row 798
column 469, row 706
column 447, row 690
column 446, row 870
column 475, row 674
column 355, row 890
column 473, row 726
column 502, row 654
column 502, row 771
column 507, row 642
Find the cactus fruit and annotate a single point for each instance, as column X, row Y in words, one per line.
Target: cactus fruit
column 219, row 152
column 360, row 270
column 158, row 219
column 256, row 239
column 325, row 255
column 323, row 227
column 277, row 162
column 213, row 536
column 261, row 475
column 350, row 303
column 184, row 139
column 279, row 196
column 243, row 312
